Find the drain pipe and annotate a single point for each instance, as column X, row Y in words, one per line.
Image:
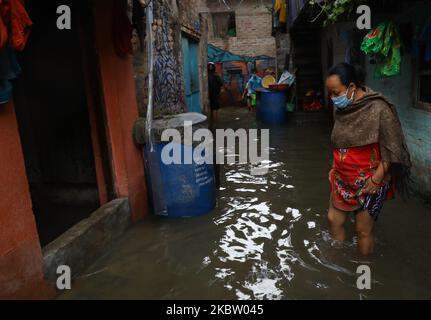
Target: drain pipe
column 152, row 157
column 150, row 51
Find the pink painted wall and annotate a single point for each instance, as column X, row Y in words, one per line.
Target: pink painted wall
column 122, row 111
column 21, row 273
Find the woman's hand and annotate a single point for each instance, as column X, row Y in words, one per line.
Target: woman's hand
column 330, row 175
column 372, row 185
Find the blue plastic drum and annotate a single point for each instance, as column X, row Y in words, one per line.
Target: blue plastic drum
column 271, row 108
column 180, row 190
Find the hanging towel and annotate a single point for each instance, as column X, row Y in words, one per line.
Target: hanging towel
column 9, row 70
column 3, row 33
column 17, row 21
column 281, row 9
column 384, row 44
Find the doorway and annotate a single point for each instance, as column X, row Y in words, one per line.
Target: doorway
column 53, row 116
column 190, row 49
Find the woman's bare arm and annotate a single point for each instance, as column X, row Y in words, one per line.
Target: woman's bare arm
column 381, row 172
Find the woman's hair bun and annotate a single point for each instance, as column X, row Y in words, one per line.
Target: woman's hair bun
column 348, row 73
column 360, row 74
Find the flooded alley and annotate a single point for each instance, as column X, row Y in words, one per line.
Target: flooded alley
column 108, row 109
column 268, row 236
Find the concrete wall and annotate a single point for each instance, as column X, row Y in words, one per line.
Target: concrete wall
column 283, row 48
column 253, row 27
column 399, row 89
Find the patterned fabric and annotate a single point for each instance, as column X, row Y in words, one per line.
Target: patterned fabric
column 374, row 202
column 351, row 170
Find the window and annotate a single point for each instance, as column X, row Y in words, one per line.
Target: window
column 224, row 24
column 422, row 84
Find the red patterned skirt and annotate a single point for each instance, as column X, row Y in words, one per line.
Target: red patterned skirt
column 351, row 169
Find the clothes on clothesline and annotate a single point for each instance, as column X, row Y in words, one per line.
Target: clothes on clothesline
column 280, row 9
column 383, row 44
column 279, row 16
column 9, row 70
column 15, row 27
column 15, row 20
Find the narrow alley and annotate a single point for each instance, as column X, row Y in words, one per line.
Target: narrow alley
column 111, row 184
column 268, row 237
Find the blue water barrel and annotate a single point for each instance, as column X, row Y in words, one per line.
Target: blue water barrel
column 181, row 190
column 271, row 108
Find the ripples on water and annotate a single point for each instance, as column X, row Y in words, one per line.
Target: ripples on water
column 267, row 245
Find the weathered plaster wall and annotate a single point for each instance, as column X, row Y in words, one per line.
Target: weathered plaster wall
column 283, row 48
column 416, row 122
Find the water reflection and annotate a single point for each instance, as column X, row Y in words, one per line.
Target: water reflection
column 267, row 238
column 265, row 243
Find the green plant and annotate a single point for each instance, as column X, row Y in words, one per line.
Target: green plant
column 334, row 9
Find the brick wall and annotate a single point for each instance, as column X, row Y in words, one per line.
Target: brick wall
column 253, row 27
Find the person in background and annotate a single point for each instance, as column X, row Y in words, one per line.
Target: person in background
column 371, row 159
column 215, row 84
column 254, row 83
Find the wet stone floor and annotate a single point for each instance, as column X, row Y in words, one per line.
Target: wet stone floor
column 268, row 237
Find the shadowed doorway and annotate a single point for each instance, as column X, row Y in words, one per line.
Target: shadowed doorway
column 53, row 117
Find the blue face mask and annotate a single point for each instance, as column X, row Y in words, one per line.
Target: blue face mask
column 343, row 102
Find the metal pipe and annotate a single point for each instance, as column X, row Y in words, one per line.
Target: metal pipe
column 150, row 50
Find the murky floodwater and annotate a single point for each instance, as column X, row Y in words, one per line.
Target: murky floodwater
column 268, row 237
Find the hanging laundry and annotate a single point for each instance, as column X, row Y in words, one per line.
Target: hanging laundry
column 17, row 22
column 15, row 27
column 9, row 70
column 384, row 45
column 3, row 33
column 280, row 9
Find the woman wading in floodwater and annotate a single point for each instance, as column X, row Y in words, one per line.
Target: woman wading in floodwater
column 371, row 159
